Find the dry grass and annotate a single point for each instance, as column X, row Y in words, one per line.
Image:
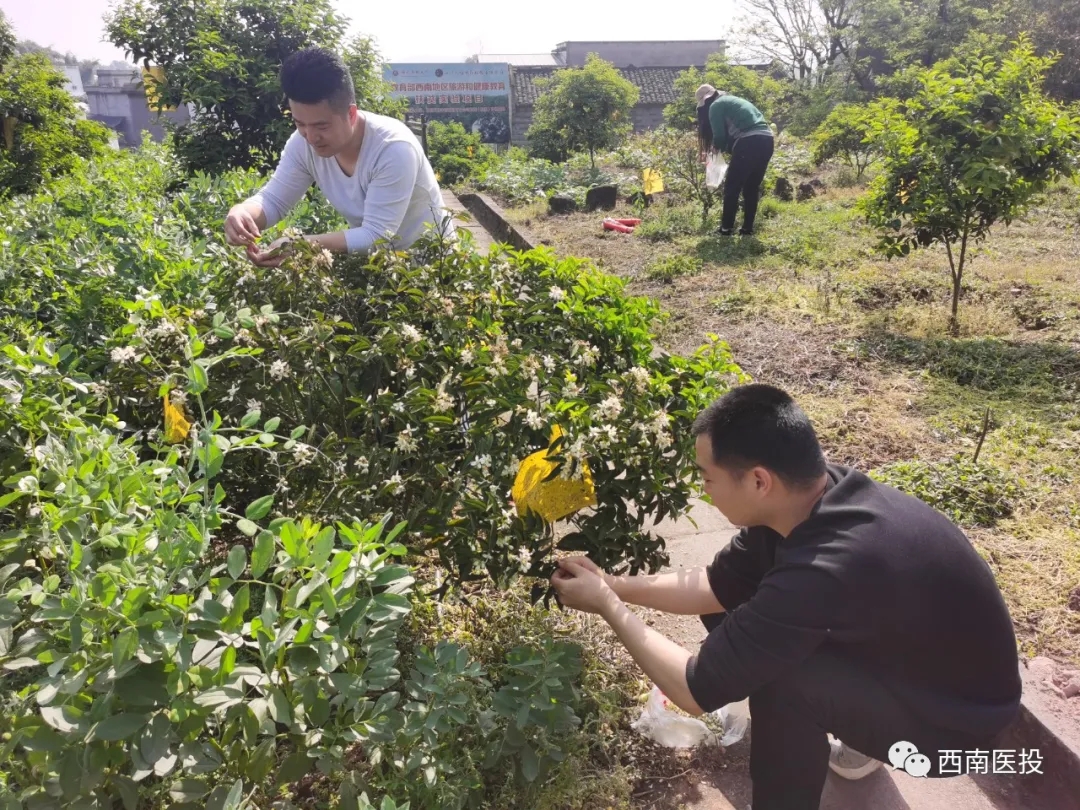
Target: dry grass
column 864, row 344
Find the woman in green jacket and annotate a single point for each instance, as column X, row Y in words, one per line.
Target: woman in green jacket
column 729, row 124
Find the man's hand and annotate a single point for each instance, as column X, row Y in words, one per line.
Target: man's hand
column 273, row 256
column 581, row 586
column 241, row 227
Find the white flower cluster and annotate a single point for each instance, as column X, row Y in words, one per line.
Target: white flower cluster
column 397, row 486
column 534, row 420
column 639, row 378
column 467, row 356
column 406, row 443
column 585, row 353
column 609, row 409
column 279, row 370
column 411, row 332
column 303, row 454
column 123, row 354
column 557, row 294
column 603, row 436
column 177, row 397
column 443, row 401
column 324, row 258
column 657, row 426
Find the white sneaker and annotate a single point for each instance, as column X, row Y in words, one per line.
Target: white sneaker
column 849, row 763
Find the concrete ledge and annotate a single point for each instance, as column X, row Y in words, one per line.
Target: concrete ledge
column 1057, row 738
column 494, row 220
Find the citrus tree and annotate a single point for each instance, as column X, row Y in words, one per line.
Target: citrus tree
column 845, row 135
column 977, row 139
column 583, row 109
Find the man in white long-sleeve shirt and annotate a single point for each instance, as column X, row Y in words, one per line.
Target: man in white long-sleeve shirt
column 371, row 168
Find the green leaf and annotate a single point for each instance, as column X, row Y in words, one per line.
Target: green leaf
column 220, row 800
column 272, row 424
column 129, row 791
column 237, row 561
column 260, row 508
column 530, row 764
column 295, row 766
column 262, row 759
column 247, row 527
column 118, row 727
column 124, row 646
column 324, row 545
column 10, row 498
column 184, row 791
column 251, row 418
column 262, row 555
column 292, row 540
column 197, row 379
column 298, row 432
column 280, row 709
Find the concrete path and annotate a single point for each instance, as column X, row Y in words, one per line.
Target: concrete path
column 728, row 788
column 481, row 238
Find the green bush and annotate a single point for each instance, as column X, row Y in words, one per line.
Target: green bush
column 413, row 377
column 456, row 155
column 161, row 669
column 845, row 134
column 968, row 492
column 50, row 137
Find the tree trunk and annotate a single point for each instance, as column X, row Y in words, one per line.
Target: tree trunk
column 957, row 269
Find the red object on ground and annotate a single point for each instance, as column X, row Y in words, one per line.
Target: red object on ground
column 615, row 225
column 630, row 222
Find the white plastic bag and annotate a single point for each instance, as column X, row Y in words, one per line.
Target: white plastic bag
column 715, row 169
column 659, row 723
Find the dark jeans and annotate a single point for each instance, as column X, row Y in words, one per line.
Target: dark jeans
column 791, row 717
column 745, row 176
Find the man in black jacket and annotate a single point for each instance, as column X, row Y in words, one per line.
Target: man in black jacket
column 844, row 607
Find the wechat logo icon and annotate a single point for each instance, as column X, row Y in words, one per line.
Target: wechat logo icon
column 906, row 757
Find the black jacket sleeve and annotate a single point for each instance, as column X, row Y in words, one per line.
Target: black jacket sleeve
column 794, row 609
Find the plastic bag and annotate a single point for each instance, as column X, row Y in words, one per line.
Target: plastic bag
column 659, row 723
column 715, row 169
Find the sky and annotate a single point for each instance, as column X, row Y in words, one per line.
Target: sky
column 421, row 30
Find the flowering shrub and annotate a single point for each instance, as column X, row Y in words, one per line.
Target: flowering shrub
column 416, row 385
column 146, row 663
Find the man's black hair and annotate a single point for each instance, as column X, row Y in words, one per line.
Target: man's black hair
column 316, row 74
column 761, row 426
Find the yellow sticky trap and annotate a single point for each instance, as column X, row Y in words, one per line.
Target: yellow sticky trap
column 653, row 182
column 176, row 426
column 554, row 499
